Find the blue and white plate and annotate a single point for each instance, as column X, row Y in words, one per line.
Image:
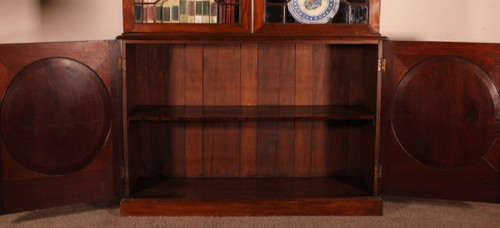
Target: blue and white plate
column 313, row 11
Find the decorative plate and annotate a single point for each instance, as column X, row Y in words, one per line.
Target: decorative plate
column 313, row 11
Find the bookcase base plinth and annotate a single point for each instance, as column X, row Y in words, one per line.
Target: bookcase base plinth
column 355, row 206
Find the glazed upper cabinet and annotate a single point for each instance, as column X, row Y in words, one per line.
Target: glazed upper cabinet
column 259, row 17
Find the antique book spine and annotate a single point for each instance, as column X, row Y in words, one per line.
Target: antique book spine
column 183, row 11
column 198, row 16
column 151, row 11
column 223, row 13
column 158, row 12
column 166, row 11
column 175, row 11
column 138, row 11
column 145, row 12
column 213, row 12
column 206, row 11
column 227, row 12
column 232, row 12
column 190, row 11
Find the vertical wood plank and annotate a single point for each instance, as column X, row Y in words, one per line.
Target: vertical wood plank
column 328, row 147
column 303, row 96
column 248, row 129
column 194, row 96
column 221, row 86
column 131, row 159
column 331, row 80
column 140, row 77
column 210, row 57
column 158, row 78
column 358, row 96
column 141, row 94
column 118, row 96
column 139, row 153
column 194, row 74
column 304, row 74
column 176, row 95
column 368, row 80
column 167, row 83
column 276, row 86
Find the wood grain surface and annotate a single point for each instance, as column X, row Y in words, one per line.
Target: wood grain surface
column 63, row 110
column 439, row 121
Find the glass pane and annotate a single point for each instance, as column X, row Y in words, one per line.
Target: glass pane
column 274, row 14
column 316, row 11
column 341, row 17
column 359, row 15
column 278, row 13
column 187, row 11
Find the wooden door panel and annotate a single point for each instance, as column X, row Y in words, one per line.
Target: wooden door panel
column 60, row 123
column 440, row 120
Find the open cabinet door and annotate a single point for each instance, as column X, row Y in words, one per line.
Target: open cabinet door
column 60, row 124
column 440, row 118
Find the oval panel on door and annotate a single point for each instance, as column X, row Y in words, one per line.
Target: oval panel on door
column 55, row 116
column 443, row 121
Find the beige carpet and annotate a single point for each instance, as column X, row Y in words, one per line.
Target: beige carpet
column 399, row 212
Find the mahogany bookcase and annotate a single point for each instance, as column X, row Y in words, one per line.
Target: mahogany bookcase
column 250, row 118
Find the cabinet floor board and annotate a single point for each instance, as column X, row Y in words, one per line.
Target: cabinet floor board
column 251, row 197
column 230, row 188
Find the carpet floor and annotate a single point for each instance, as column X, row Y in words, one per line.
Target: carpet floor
column 398, row 212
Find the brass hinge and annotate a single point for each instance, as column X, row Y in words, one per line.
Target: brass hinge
column 122, row 65
column 378, row 171
column 381, row 65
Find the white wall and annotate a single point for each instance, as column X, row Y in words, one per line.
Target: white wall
column 441, row 20
column 65, row 20
column 59, row 20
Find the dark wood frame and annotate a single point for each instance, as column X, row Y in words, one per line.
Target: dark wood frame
column 129, row 26
column 369, row 30
column 247, row 26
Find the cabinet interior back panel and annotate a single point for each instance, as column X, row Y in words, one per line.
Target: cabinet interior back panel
column 251, row 74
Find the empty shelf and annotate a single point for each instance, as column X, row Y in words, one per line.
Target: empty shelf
column 241, row 113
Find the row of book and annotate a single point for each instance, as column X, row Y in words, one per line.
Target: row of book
column 185, row 11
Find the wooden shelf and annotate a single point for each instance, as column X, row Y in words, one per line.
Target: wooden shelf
column 241, row 113
column 251, row 196
column 231, row 188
